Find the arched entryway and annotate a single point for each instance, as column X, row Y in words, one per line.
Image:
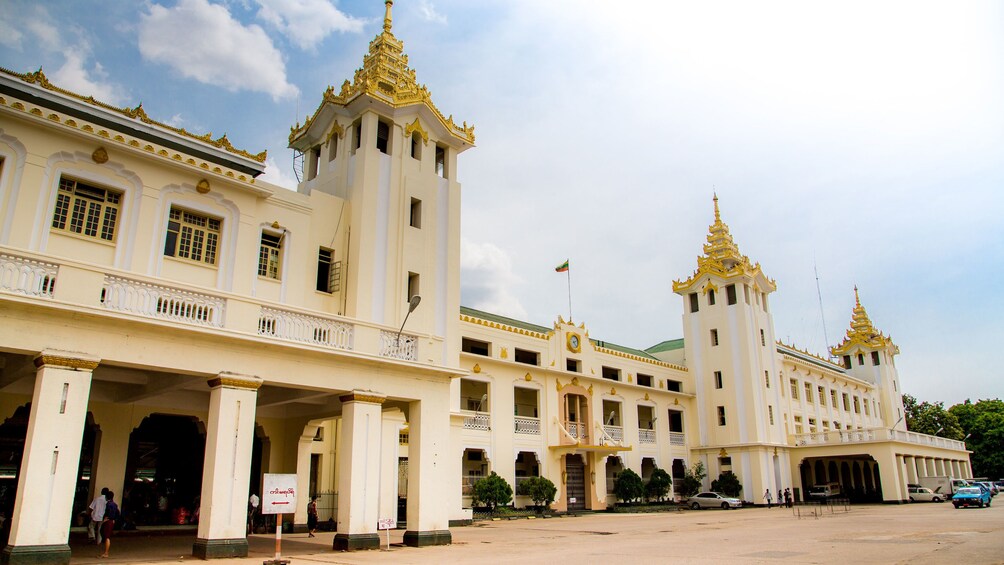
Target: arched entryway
column 575, row 482
column 163, row 479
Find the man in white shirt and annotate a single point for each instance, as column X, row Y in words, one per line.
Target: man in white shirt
column 97, row 515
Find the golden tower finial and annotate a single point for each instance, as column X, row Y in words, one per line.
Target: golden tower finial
column 857, row 300
column 386, row 16
column 718, row 216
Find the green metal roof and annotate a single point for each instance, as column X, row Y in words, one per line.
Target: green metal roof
column 668, row 345
column 787, row 350
column 503, row 320
column 622, row 349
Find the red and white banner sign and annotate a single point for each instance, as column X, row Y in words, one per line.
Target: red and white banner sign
column 279, row 494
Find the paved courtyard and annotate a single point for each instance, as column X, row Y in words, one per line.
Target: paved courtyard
column 918, row 533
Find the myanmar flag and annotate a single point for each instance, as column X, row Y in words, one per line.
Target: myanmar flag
column 562, row 267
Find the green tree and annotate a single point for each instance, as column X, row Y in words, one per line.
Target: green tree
column 628, row 487
column 727, row 484
column 693, row 479
column 658, row 484
column 540, row 490
column 983, row 422
column 492, row 491
column 931, row 418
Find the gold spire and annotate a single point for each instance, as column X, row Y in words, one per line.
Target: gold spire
column 386, row 77
column 722, row 257
column 861, row 333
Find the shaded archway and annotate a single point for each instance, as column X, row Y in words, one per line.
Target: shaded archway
column 163, row 479
column 820, row 472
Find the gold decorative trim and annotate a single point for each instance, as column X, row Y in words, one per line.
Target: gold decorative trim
column 362, row 397
column 336, row 129
column 633, row 357
column 100, row 155
column 202, row 187
column 235, row 381
column 862, row 334
column 558, row 385
column 56, row 360
column 646, row 396
column 416, row 127
column 477, row 368
column 590, row 390
column 504, row 327
column 504, row 353
column 723, row 453
column 575, row 381
column 527, row 377
column 137, row 113
column 613, row 391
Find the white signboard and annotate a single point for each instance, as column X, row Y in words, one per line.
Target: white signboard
column 279, row 496
column 386, row 524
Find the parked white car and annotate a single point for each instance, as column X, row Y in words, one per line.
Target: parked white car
column 713, row 500
column 923, row 494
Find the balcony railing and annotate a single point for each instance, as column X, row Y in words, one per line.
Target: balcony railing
column 837, row 437
column 526, row 425
column 676, row 438
column 294, row 326
column 646, row 436
column 399, row 347
column 615, row 433
column 156, row 301
column 25, row 276
column 467, row 484
column 578, row 431
column 477, row 421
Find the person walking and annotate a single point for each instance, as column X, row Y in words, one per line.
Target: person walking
column 312, row 516
column 97, row 508
column 766, row 496
column 108, row 523
column 787, row 498
column 253, row 502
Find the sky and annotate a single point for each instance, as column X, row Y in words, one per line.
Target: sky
column 861, row 141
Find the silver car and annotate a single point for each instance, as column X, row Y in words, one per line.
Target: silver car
column 921, row 494
column 713, row 500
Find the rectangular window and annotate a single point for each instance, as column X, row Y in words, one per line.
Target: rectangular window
column 766, row 378
column 808, row 392
column 798, row 424
column 857, row 405
column 474, row 346
column 836, row 425
column 833, row 397
column 822, row 396
column 86, row 209
column 763, row 339
column 694, row 305
column 573, row 365
column 861, row 359
column 645, row 380
column 867, row 412
column 313, row 162
column 675, row 386
column 383, row 137
column 812, row 425
column 721, row 415
column 357, row 135
column 192, row 236
column 416, row 146
column 269, row 253
column 415, row 215
column 611, row 373
column 875, row 358
column 847, row 361
column 770, row 414
column 714, row 338
column 333, row 146
column 413, row 285
column 329, row 271
column 794, row 389
column 711, row 298
column 847, row 402
column 527, row 357
column 826, row 425
column 441, row 161
column 718, row 379
column 730, row 294
column 746, row 293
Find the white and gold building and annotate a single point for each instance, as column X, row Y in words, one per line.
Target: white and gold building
column 173, row 328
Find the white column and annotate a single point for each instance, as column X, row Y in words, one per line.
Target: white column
column 429, row 480
column 48, row 475
column 940, row 467
column 893, row 478
column 226, row 474
column 911, row 469
column 393, row 421
column 359, row 476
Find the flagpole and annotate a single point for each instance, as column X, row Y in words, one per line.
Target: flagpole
column 568, row 273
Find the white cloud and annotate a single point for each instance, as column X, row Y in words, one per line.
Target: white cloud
column 74, row 76
column 203, row 42
column 429, row 13
column 487, row 280
column 277, row 175
column 307, row 22
column 9, row 34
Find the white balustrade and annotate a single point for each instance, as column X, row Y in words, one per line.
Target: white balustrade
column 615, row 433
column 162, row 302
column 646, row 436
column 403, row 347
column 477, row 421
column 25, row 276
column 304, row 328
column 577, row 430
column 875, row 434
column 526, row 425
column 676, row 438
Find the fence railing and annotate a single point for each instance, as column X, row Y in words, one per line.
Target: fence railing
column 836, row 437
column 304, row 328
column 25, row 276
column 477, row 421
column 398, row 347
column 677, row 438
column 526, row 425
column 156, row 301
column 646, row 436
column 615, row 433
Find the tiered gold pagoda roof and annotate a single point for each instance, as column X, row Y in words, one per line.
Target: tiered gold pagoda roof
column 862, row 333
column 722, row 258
column 386, row 76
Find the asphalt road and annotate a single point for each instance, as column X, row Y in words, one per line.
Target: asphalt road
column 916, row 533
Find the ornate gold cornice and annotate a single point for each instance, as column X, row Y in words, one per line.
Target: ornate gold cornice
column 233, row 380
column 132, row 142
column 862, row 333
column 633, row 357
column 722, row 258
column 369, row 398
column 416, row 127
column 45, row 359
column 137, row 113
column 386, row 76
column 504, row 327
